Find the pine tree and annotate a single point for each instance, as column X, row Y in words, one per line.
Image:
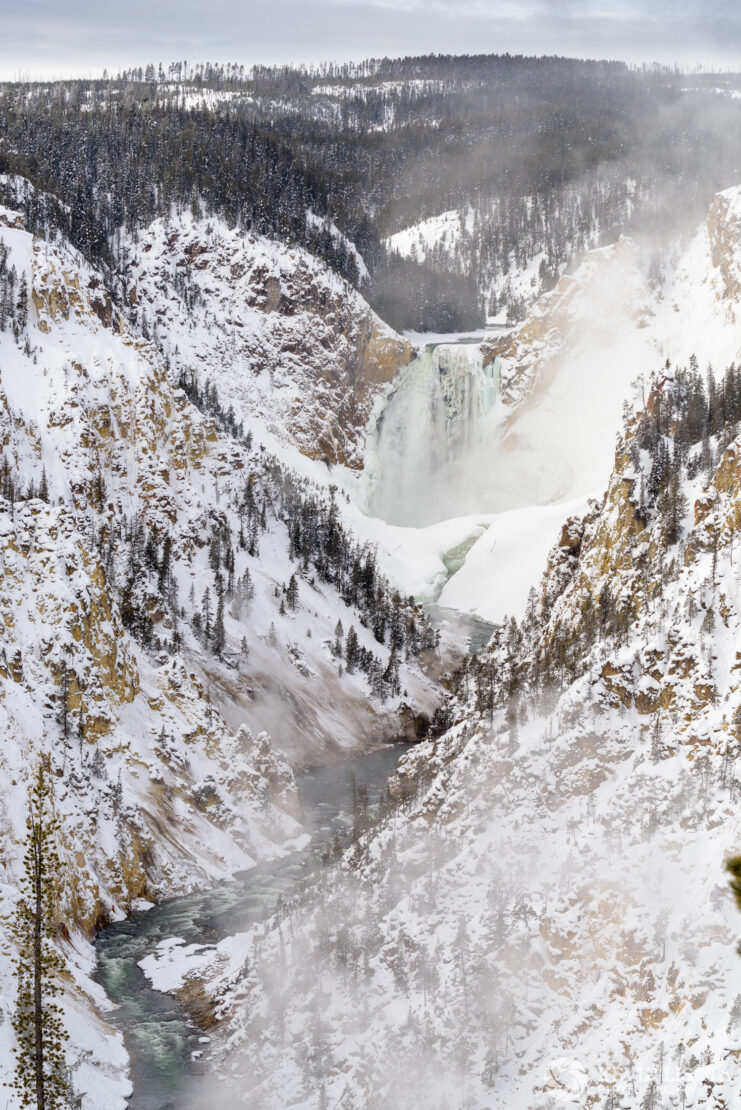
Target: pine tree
column 206, row 610
column 40, row 1075
column 248, row 589
column 656, row 745
column 613, row 1100
column 219, row 640
column 97, row 764
column 651, row 1097
column 214, row 552
column 352, row 650
column 165, row 566
column 21, row 310
column 391, row 674
column 376, row 679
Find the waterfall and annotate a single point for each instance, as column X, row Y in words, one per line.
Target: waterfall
column 430, row 435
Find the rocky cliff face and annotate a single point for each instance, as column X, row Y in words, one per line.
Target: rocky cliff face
column 282, row 338
column 142, row 762
column 580, row 311
column 90, row 422
column 148, row 634
column 724, row 234
column 663, row 595
column 683, row 301
column 545, row 920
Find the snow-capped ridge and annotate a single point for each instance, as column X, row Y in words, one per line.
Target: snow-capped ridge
column 296, row 351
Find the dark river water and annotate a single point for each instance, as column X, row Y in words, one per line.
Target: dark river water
column 167, row 1052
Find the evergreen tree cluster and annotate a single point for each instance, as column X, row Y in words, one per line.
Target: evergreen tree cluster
column 686, row 423
column 138, row 561
column 12, row 490
column 207, row 400
column 546, row 156
column 138, row 567
column 42, row 1078
column 13, row 296
column 317, row 540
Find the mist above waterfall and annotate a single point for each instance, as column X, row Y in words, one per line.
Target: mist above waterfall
column 457, row 438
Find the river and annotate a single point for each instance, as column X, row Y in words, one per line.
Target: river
column 167, row 1051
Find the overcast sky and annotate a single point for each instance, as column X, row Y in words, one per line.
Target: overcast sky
column 62, row 37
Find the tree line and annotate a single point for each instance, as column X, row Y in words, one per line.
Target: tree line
column 685, row 423
column 585, row 149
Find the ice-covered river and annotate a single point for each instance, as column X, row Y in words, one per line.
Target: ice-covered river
column 166, row 1049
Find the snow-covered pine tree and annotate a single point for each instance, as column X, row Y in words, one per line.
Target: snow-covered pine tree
column 352, row 649
column 207, row 613
column 165, row 567
column 219, row 638
column 41, row 1077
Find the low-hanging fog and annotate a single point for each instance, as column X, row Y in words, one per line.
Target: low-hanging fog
column 479, row 938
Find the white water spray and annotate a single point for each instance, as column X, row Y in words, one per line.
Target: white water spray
column 428, row 440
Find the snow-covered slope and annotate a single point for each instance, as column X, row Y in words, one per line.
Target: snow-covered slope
column 437, row 232
column 564, row 376
column 544, row 920
column 169, row 590
column 295, row 349
column 171, row 587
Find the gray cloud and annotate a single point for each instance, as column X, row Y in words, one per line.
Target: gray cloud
column 50, row 37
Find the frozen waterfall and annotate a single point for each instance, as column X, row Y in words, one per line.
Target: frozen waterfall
column 428, row 451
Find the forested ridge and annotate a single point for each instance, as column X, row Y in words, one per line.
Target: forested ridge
column 544, row 157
